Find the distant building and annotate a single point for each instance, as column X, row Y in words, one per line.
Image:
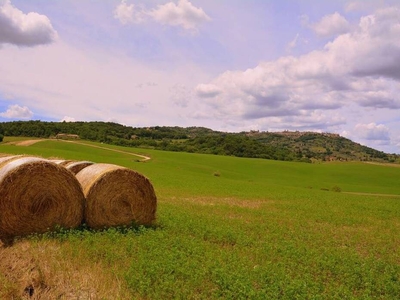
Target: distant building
column 66, row 136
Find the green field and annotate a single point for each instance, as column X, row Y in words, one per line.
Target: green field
column 235, row 228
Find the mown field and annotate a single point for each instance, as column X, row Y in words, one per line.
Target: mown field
column 227, row 228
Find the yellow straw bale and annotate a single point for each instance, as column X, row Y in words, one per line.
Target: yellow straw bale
column 5, row 159
column 116, row 196
column 61, row 162
column 36, row 196
column 77, row 166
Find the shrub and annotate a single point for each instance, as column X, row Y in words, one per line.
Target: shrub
column 336, row 189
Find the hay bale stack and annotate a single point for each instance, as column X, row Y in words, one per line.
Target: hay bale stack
column 36, row 196
column 116, row 196
column 77, row 166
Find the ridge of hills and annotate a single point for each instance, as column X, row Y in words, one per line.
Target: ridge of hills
column 286, row 145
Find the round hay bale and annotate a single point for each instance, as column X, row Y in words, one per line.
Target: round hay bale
column 5, row 159
column 116, row 196
column 61, row 162
column 77, row 166
column 36, row 196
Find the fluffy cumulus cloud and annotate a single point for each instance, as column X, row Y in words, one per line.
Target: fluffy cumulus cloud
column 23, row 29
column 127, row 13
column 372, row 132
column 356, row 68
column 17, row 112
column 183, row 14
column 331, row 25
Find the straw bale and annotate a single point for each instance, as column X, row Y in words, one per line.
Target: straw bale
column 77, row 166
column 116, row 196
column 61, row 162
column 5, row 159
column 36, row 196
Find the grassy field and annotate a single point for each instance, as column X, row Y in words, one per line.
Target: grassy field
column 228, row 228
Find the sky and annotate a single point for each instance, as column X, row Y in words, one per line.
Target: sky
column 229, row 65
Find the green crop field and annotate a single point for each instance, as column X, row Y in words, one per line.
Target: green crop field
column 229, row 228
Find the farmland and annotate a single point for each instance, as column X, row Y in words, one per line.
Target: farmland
column 228, row 228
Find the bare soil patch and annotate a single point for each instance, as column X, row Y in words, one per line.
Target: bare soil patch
column 383, row 164
column 213, row 201
column 40, row 270
column 372, row 194
column 28, row 142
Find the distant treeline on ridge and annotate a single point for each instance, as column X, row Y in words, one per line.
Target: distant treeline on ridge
column 289, row 146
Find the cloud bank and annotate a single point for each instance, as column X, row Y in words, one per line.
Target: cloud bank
column 358, row 68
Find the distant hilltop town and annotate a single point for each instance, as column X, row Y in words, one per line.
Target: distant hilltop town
column 293, row 134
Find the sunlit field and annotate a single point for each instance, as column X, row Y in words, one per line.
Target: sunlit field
column 227, row 227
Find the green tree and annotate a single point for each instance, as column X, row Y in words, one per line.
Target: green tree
column 1, row 132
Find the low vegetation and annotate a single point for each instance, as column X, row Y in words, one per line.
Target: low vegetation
column 227, row 228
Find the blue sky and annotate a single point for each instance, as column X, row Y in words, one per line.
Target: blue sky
column 326, row 66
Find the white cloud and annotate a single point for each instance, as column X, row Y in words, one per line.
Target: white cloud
column 353, row 6
column 24, row 29
column 372, row 132
column 207, row 90
column 293, row 43
column 128, row 14
column 183, row 14
column 331, row 25
column 17, row 112
column 67, row 119
column 359, row 67
column 362, row 5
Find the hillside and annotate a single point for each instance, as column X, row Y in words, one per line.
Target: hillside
column 289, row 146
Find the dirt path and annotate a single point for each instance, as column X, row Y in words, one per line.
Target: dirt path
column 372, row 194
column 28, row 142
column 144, row 158
column 394, row 165
column 31, row 142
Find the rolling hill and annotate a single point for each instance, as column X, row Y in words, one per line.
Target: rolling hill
column 286, row 145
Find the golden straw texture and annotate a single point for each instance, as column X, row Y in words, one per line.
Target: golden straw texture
column 77, row 166
column 116, row 196
column 61, row 162
column 5, row 159
column 36, row 196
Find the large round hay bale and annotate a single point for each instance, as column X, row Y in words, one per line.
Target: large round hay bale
column 36, row 196
column 7, row 158
column 116, row 196
column 77, row 166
